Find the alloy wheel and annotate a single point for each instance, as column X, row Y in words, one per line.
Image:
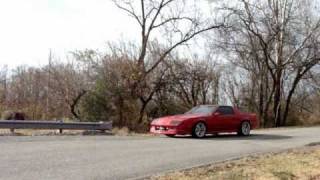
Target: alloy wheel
column 200, row 130
column 245, row 128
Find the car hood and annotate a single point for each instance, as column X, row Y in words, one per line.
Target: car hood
column 167, row 119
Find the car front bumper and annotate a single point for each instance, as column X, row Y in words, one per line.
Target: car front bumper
column 167, row 130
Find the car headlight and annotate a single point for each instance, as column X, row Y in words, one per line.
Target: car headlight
column 175, row 122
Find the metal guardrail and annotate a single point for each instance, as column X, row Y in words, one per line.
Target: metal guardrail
column 22, row 124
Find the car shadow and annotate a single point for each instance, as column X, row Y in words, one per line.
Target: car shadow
column 224, row 137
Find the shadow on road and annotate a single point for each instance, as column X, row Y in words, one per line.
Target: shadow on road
column 225, row 137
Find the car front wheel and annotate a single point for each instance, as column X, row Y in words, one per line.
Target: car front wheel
column 199, row 130
column 245, row 129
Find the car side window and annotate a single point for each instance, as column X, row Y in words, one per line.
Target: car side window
column 225, row 110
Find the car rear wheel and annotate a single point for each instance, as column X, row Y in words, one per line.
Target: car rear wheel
column 245, row 129
column 199, row 130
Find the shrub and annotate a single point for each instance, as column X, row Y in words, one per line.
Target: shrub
column 12, row 115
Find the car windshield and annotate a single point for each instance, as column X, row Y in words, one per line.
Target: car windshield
column 203, row 109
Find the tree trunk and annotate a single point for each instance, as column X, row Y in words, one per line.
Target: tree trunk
column 291, row 92
column 121, row 123
column 277, row 102
column 286, row 111
column 268, row 103
column 142, row 111
column 261, row 101
column 75, row 103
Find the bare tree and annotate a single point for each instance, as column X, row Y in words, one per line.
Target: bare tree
column 179, row 23
column 25, row 91
column 3, row 84
column 283, row 37
column 194, row 81
column 68, row 82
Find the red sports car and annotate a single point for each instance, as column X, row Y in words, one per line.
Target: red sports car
column 206, row 119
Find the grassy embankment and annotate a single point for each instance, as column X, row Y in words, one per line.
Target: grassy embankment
column 299, row 164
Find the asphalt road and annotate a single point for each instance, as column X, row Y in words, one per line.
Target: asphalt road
column 112, row 157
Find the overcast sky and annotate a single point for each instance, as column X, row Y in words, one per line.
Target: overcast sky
column 30, row 28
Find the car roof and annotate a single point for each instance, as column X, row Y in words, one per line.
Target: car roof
column 209, row 105
column 215, row 105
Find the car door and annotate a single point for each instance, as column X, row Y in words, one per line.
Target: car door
column 226, row 120
column 213, row 123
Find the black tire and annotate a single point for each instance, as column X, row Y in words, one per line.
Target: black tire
column 244, row 129
column 199, row 130
column 170, row 135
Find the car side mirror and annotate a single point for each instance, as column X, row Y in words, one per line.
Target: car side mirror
column 217, row 114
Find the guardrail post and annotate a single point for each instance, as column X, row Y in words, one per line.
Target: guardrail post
column 60, row 130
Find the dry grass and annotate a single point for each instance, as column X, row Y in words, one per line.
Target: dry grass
column 121, row 132
column 126, row 132
column 294, row 164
